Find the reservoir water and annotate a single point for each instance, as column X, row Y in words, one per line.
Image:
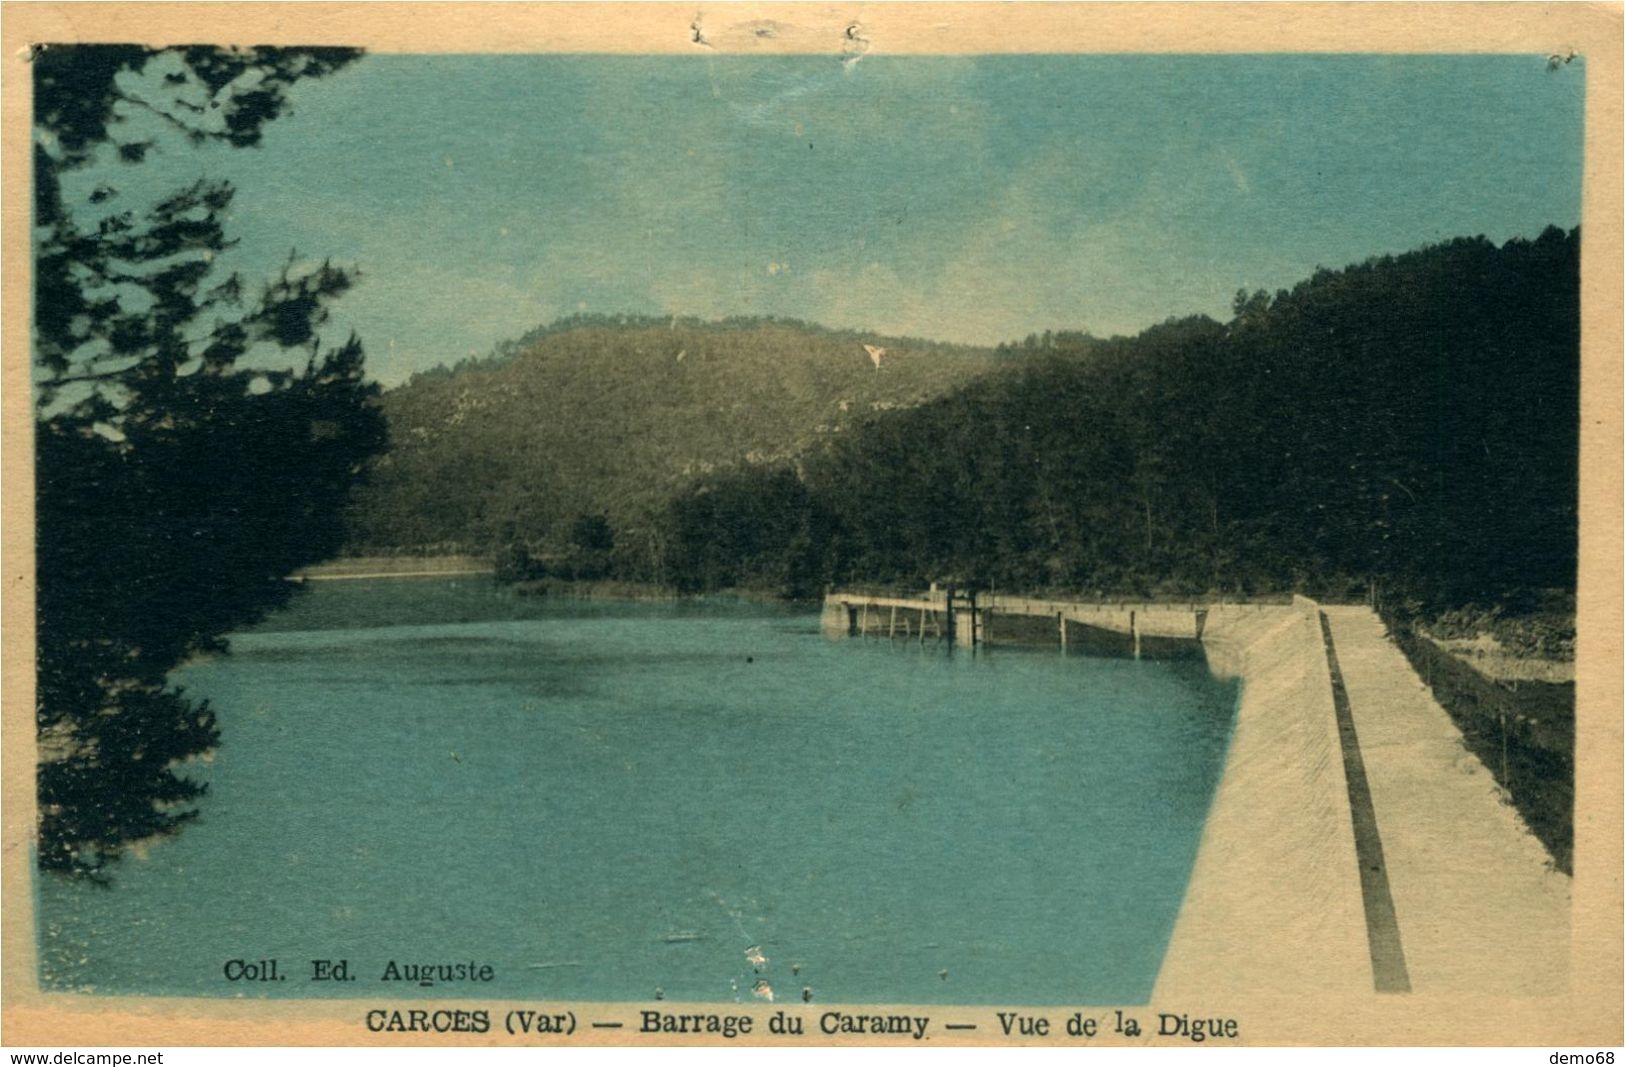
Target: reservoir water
column 705, row 800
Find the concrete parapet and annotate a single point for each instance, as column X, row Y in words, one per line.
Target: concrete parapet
column 1273, row 904
column 1158, row 622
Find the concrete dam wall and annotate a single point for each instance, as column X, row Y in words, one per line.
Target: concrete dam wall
column 1274, row 903
column 1354, row 844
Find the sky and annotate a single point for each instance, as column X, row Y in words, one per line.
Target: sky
column 970, row 199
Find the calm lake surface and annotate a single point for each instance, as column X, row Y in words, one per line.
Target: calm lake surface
column 605, row 799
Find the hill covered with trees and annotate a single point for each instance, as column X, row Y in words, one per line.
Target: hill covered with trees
column 595, row 421
column 1410, row 422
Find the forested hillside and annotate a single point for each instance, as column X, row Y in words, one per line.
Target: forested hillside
column 1411, row 422
column 610, row 418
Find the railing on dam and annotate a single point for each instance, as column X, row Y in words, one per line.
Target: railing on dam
column 966, row 619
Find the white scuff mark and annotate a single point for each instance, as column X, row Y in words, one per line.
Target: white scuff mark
column 875, row 352
column 855, row 46
column 678, row 937
column 754, row 957
column 1237, row 175
column 762, row 990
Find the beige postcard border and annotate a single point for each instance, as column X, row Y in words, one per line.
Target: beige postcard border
column 1590, row 1014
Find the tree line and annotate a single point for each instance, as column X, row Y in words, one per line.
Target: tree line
column 1409, row 423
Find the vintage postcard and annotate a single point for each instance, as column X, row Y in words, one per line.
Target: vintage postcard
column 913, row 525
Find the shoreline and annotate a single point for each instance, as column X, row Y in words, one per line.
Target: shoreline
column 368, row 568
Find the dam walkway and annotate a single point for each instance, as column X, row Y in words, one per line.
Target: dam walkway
column 1479, row 906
